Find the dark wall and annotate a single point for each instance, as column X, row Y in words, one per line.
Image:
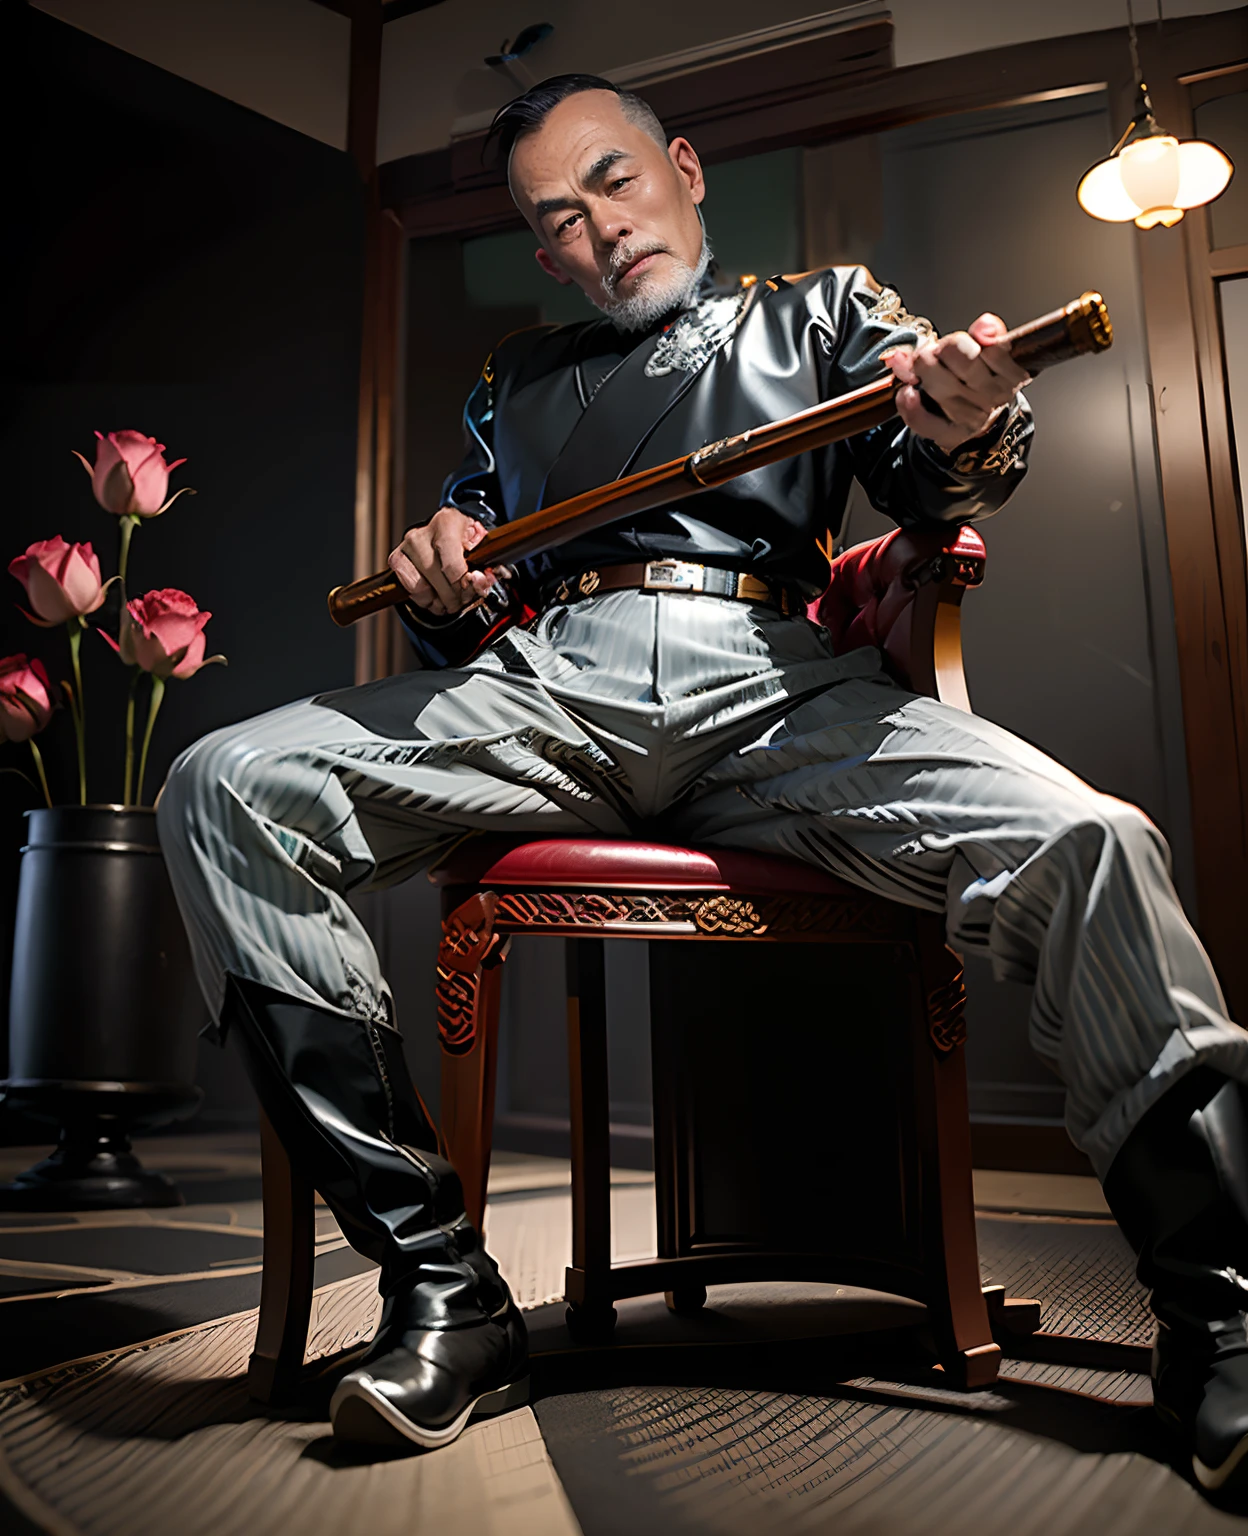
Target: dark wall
column 193, row 271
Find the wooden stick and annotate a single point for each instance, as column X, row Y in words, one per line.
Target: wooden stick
column 1079, row 327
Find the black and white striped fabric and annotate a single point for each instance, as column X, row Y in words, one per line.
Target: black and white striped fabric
column 705, row 721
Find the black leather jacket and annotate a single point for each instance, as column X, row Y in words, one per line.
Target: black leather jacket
column 558, row 410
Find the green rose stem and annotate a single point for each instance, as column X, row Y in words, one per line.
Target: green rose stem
column 76, row 627
column 153, row 709
column 43, row 778
column 128, row 524
column 134, row 683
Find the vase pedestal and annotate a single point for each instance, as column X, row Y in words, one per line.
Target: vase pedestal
column 93, row 1167
column 89, row 1172
column 104, row 1011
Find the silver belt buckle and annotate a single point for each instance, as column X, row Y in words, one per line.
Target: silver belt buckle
column 673, row 576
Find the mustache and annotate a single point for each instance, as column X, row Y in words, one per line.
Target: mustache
column 623, row 256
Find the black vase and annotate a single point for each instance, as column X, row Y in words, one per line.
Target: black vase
column 104, row 1009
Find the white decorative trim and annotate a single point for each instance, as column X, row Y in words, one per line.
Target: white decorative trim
column 745, row 45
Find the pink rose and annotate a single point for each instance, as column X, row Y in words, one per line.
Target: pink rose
column 25, row 702
column 164, row 634
column 61, row 580
column 130, row 476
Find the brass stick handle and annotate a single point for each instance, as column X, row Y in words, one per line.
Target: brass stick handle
column 1079, row 327
column 357, row 599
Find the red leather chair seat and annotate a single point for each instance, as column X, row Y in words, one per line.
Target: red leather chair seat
column 610, row 864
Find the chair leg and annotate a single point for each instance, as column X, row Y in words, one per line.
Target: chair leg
column 591, row 1316
column 956, row 1306
column 470, row 975
column 276, row 1365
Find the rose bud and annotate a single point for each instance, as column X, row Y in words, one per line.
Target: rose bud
column 25, row 700
column 130, row 476
column 163, row 632
column 61, row 580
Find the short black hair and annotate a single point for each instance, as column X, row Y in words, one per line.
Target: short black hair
column 525, row 113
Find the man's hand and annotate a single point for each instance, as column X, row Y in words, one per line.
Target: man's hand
column 430, row 562
column 967, row 374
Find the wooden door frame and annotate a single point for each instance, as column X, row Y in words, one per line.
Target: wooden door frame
column 378, row 457
column 1203, row 519
column 447, row 192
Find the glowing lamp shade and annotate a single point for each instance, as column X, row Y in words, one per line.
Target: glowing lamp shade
column 1153, row 180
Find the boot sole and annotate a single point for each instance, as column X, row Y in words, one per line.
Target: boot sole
column 1217, row 1479
column 363, row 1415
column 1212, row 1479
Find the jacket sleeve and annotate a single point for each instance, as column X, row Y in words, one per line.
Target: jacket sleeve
column 906, row 477
column 472, row 488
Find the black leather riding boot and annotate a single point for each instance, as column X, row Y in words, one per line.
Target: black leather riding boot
column 451, row 1344
column 1179, row 1190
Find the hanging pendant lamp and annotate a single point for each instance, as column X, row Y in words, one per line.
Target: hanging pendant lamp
column 1152, row 178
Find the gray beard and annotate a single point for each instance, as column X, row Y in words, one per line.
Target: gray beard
column 653, row 296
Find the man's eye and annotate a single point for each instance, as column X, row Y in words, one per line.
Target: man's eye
column 621, row 181
column 568, row 224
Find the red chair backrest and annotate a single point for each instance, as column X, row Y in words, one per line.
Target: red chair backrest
column 871, row 593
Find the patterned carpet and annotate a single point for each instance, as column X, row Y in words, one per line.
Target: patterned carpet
column 124, row 1412
column 1082, row 1273
column 864, row 1461
column 162, row 1439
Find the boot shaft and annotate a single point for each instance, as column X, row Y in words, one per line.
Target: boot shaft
column 1178, row 1188
column 338, row 1094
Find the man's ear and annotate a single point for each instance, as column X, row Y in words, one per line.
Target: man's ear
column 688, row 167
column 551, row 267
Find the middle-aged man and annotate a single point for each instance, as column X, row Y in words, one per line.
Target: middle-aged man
column 713, row 715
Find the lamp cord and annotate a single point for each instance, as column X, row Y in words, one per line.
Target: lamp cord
column 1135, row 45
column 1146, row 114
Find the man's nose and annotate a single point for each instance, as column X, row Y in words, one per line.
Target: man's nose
column 610, row 226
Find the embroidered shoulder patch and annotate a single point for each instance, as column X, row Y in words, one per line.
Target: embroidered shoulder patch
column 889, row 308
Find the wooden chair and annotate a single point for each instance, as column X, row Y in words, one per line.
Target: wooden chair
column 903, row 1222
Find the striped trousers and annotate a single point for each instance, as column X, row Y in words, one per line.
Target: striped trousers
column 704, row 721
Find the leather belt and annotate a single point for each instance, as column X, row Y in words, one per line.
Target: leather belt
column 680, row 576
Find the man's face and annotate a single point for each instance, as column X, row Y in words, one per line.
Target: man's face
column 615, row 212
